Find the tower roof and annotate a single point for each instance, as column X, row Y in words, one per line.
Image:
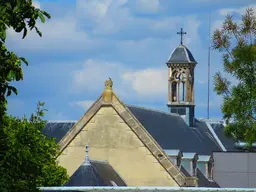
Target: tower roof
column 181, row 55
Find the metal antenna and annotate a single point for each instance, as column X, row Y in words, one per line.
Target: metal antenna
column 209, row 61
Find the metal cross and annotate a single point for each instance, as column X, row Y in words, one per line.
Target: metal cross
column 181, row 33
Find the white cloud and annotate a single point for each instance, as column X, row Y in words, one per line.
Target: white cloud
column 192, row 25
column 58, row 34
column 148, row 6
column 108, row 16
column 155, row 43
column 93, row 73
column 169, row 23
column 217, row 24
column 141, row 47
column 240, row 10
column 147, row 82
column 92, row 9
column 36, row 4
column 86, row 104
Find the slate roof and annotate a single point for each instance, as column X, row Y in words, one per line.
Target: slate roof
column 168, row 129
column 57, row 130
column 202, row 180
column 86, row 175
column 171, row 131
column 181, row 55
column 228, row 143
column 96, row 173
column 107, row 172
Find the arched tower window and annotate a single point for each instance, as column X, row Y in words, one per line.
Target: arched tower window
column 174, row 91
column 180, row 85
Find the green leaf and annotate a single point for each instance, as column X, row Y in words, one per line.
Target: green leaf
column 19, row 29
column 3, row 35
column 46, row 14
column 9, row 92
column 24, row 60
column 13, row 89
column 11, row 75
column 41, row 17
column 239, row 62
column 39, row 32
column 24, row 32
column 19, row 74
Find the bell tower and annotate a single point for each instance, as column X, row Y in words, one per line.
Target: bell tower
column 181, row 65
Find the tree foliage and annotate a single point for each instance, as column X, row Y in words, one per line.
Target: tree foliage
column 237, row 41
column 31, row 159
column 27, row 157
column 19, row 15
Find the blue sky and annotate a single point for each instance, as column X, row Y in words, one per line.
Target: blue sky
column 87, row 41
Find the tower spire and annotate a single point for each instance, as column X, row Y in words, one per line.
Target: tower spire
column 181, row 33
column 87, row 160
column 181, row 65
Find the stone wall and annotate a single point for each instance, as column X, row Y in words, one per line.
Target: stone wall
column 111, row 139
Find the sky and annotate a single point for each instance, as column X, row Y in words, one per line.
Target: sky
column 87, row 41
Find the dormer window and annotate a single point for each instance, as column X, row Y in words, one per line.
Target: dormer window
column 189, row 162
column 205, row 165
column 175, row 156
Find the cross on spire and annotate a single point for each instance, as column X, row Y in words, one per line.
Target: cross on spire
column 181, row 33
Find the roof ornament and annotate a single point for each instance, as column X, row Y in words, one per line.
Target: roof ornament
column 87, row 160
column 108, row 83
column 181, row 33
column 108, row 92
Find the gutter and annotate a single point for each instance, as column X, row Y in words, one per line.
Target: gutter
column 146, row 188
column 243, row 145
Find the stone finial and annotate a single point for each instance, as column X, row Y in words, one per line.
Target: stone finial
column 108, row 92
column 108, row 83
column 87, row 160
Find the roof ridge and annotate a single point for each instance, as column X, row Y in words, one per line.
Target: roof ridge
column 62, row 121
column 186, row 53
column 154, row 110
column 99, row 161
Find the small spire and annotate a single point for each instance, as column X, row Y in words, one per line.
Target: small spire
column 87, row 160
